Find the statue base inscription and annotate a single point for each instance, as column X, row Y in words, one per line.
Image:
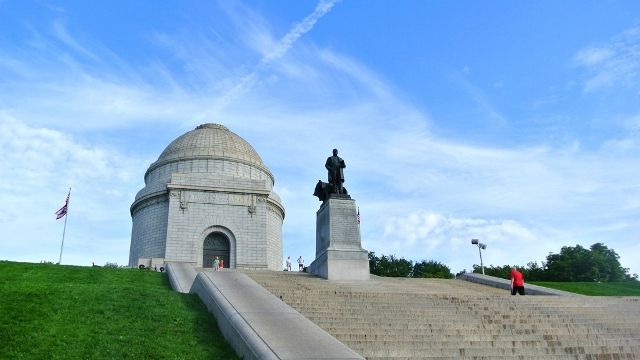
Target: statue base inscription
column 339, row 254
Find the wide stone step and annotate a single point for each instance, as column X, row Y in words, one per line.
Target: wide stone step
column 601, row 339
column 480, row 304
column 503, row 357
column 484, row 319
column 507, row 344
column 558, row 339
column 403, row 351
column 470, row 332
column 454, row 324
column 615, row 356
column 408, row 313
column 472, row 322
column 425, row 302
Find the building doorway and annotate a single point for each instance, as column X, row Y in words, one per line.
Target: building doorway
column 215, row 245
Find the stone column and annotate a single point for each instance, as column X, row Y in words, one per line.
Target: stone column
column 339, row 254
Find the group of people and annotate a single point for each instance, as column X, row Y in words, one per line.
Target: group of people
column 218, row 264
column 300, row 264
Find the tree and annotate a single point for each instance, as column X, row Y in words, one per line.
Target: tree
column 571, row 264
column 497, row 271
column 373, row 262
column 400, row 267
column 431, row 269
column 608, row 267
column 598, row 263
column 533, row 272
column 389, row 266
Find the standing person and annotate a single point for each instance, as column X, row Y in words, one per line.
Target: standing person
column 216, row 264
column 221, row 263
column 288, row 263
column 517, row 282
column 300, row 263
column 334, row 166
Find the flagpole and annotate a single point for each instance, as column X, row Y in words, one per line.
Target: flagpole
column 64, row 230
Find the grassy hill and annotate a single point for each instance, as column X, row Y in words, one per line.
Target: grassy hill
column 70, row 312
column 624, row 288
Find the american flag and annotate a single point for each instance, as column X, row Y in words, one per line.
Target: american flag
column 63, row 210
column 358, row 216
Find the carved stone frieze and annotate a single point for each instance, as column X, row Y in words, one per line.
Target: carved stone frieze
column 216, row 198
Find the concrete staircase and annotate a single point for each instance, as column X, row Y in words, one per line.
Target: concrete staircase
column 387, row 318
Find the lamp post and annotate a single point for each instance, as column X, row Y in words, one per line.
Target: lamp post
column 481, row 247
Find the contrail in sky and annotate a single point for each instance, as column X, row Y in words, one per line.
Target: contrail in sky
column 298, row 30
column 279, row 50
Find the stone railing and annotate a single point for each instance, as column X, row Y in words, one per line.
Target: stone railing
column 530, row 289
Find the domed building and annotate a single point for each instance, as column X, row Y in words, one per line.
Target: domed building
column 208, row 195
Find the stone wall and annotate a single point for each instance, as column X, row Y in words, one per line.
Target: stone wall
column 219, row 167
column 149, row 229
column 274, row 236
column 255, row 244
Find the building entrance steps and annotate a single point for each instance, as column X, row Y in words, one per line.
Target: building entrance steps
column 387, row 318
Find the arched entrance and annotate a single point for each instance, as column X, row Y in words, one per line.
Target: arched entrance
column 215, row 244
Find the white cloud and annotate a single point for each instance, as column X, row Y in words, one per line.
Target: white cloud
column 615, row 63
column 433, row 230
column 61, row 33
column 429, row 235
column 593, row 56
column 250, row 28
column 629, row 140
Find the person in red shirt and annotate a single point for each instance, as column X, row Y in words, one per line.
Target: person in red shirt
column 517, row 282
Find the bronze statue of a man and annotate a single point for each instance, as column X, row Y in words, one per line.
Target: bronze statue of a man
column 334, row 167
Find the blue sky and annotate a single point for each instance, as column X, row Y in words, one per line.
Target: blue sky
column 515, row 123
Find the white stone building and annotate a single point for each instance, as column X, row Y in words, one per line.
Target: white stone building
column 208, row 195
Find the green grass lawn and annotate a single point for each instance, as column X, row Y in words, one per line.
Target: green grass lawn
column 71, row 312
column 626, row 288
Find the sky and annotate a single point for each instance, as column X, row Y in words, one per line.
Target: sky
column 516, row 123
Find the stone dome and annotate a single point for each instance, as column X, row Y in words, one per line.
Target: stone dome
column 210, row 140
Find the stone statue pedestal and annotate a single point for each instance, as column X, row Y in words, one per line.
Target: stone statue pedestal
column 339, row 255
